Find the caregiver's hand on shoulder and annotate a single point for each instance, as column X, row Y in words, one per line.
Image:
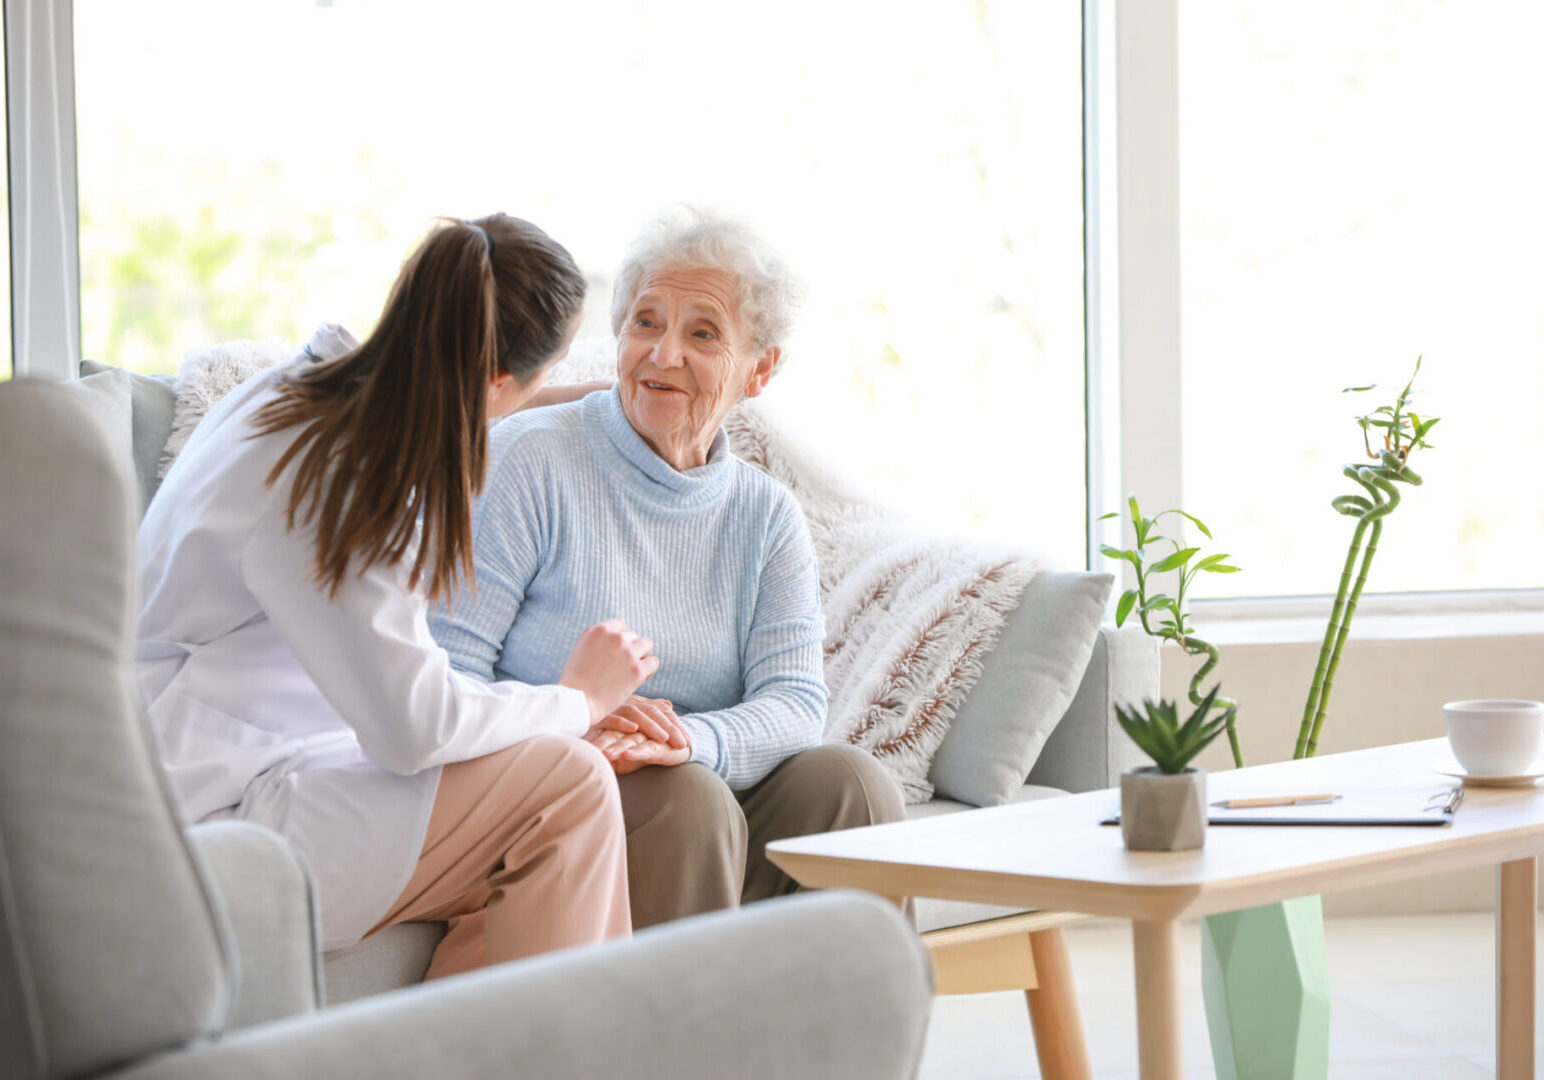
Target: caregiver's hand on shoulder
column 607, row 664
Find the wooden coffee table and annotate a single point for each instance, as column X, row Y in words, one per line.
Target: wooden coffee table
column 1054, row 856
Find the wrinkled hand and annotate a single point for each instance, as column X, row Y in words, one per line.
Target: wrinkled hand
column 655, row 718
column 630, row 751
column 643, row 731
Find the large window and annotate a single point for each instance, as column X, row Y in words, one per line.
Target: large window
column 5, row 225
column 252, row 168
column 1361, row 185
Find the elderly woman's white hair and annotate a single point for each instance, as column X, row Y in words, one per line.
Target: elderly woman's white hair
column 686, row 237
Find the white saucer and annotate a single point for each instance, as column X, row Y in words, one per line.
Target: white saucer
column 1494, row 781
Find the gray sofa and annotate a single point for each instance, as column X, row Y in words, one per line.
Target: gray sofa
column 1039, row 722
column 132, row 947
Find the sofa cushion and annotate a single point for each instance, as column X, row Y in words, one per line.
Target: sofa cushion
column 265, row 889
column 108, row 395
column 1026, row 684
column 397, row 956
column 110, row 949
column 206, row 375
column 1088, row 750
column 152, row 399
column 933, row 914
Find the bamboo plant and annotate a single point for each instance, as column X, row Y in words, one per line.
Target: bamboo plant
column 1173, row 620
column 1390, row 434
column 1401, row 432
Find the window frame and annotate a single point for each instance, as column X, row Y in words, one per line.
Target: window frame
column 44, row 210
column 1133, row 343
column 1131, row 223
column 1140, row 357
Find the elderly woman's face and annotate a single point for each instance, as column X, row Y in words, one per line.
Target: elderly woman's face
column 684, row 358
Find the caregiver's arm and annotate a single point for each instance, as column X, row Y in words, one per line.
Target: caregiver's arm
column 784, row 708
column 370, row 652
column 557, row 395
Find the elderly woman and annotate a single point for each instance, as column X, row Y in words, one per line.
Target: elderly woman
column 629, row 503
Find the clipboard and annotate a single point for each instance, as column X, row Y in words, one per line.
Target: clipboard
column 1431, row 805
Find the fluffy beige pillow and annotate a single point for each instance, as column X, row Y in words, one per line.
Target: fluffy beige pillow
column 206, row 376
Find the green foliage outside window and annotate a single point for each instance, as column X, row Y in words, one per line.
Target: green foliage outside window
column 155, row 287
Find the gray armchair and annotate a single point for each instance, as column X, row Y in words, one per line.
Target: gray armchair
column 130, row 946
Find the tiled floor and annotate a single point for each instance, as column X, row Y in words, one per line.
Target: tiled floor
column 1413, row 1000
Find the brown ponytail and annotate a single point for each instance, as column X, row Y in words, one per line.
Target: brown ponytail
column 399, row 427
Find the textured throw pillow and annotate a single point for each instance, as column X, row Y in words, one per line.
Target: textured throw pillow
column 152, row 399
column 907, row 631
column 108, row 396
column 1026, row 684
column 206, row 376
column 909, row 620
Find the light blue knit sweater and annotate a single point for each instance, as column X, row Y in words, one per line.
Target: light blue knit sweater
column 580, row 521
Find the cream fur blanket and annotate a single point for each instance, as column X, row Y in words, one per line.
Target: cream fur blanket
column 908, row 617
column 206, row 375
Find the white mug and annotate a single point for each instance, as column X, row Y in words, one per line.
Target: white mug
column 1495, row 737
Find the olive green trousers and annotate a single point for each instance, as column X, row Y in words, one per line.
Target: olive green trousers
column 695, row 846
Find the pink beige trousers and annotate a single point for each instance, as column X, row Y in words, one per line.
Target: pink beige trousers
column 525, row 853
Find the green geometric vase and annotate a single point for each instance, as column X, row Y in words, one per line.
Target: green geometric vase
column 1265, row 977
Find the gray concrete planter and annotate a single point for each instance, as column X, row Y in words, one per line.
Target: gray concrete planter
column 1163, row 812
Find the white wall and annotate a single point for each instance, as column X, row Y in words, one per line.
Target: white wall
column 1388, row 690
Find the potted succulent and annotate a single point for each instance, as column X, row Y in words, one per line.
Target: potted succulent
column 1163, row 805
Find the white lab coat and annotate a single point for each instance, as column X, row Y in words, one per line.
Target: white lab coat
column 324, row 718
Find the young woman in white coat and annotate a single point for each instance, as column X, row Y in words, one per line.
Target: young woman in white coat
column 289, row 675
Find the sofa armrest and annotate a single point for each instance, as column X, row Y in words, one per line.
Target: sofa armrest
column 1088, row 750
column 266, row 893
column 828, row 984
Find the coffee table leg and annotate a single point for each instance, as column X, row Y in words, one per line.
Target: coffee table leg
column 1516, row 928
column 1158, row 1035
column 1054, row 1011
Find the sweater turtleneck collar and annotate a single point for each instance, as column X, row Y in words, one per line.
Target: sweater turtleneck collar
column 693, row 485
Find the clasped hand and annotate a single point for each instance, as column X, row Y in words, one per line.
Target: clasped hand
column 642, row 731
